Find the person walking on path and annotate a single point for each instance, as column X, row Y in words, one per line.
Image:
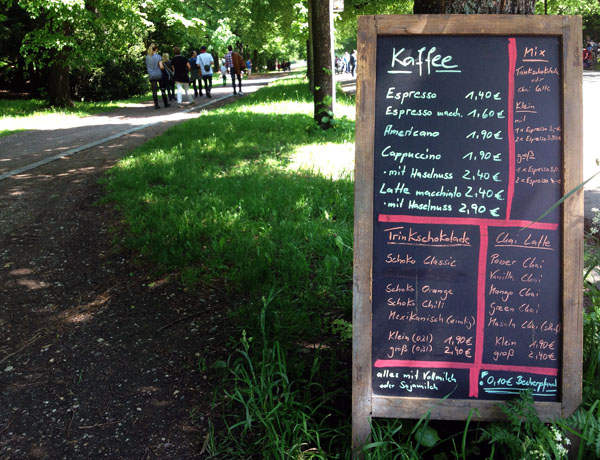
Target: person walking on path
column 353, row 62
column 194, row 75
column 235, row 63
column 249, row 66
column 155, row 75
column 224, row 72
column 181, row 68
column 167, row 76
column 205, row 63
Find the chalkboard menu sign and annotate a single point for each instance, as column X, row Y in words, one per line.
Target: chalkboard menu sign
column 460, row 278
column 466, row 302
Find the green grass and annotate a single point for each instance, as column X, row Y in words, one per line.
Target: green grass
column 254, row 198
column 8, row 132
column 34, row 107
column 229, row 198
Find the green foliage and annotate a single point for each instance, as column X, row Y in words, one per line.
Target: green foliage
column 342, row 328
column 586, row 425
column 346, row 22
column 588, row 9
column 395, row 439
column 117, row 78
column 175, row 23
column 389, row 442
column 591, row 344
column 275, row 28
column 524, row 435
column 98, row 40
column 80, row 34
column 215, row 197
column 272, row 415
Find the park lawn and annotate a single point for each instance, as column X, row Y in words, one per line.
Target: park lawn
column 252, row 196
column 256, row 199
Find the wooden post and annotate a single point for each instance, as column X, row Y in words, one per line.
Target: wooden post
column 363, row 211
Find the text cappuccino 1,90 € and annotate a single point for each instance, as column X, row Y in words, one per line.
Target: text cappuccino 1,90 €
column 426, row 62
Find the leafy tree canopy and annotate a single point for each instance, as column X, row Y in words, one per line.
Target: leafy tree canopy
column 588, row 9
column 346, row 22
column 80, row 33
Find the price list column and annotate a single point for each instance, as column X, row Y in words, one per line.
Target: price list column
column 522, row 319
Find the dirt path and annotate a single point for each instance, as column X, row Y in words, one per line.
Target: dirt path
column 100, row 358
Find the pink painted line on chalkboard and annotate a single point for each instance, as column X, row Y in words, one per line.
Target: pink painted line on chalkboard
column 392, row 218
column 380, row 363
column 527, row 369
column 512, row 62
column 525, row 223
column 480, row 322
column 429, row 364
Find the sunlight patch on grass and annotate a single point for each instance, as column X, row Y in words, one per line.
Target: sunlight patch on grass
column 40, row 121
column 330, row 160
column 281, row 108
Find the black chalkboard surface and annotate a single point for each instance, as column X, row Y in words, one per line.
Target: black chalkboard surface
column 467, row 153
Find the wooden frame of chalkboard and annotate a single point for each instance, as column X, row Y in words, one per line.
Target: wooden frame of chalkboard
column 375, row 103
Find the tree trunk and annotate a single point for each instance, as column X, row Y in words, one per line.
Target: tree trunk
column 474, row 7
column 59, row 91
column 310, row 70
column 322, row 16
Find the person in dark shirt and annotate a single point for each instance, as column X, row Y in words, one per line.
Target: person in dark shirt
column 235, row 63
column 181, row 67
column 167, row 71
column 194, row 74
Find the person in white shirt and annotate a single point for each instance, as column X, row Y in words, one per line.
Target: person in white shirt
column 205, row 62
column 224, row 72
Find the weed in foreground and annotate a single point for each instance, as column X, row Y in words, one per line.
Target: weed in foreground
column 524, row 435
column 271, row 414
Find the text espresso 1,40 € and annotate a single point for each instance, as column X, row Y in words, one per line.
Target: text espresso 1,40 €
column 477, row 189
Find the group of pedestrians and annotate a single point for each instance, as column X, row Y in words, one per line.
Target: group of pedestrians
column 346, row 63
column 166, row 74
column 590, row 53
